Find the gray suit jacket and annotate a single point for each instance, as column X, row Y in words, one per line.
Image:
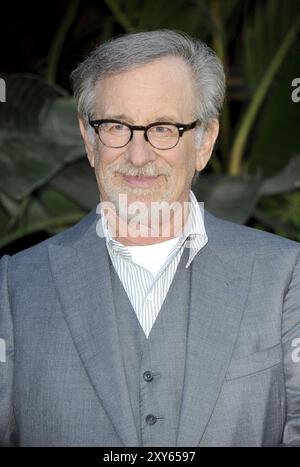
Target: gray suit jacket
column 62, row 380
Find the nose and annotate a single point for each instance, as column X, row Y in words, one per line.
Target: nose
column 138, row 151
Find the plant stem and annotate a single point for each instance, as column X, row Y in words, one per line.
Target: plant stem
column 258, row 98
column 58, row 40
column 119, row 15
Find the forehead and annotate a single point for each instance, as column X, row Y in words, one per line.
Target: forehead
column 162, row 87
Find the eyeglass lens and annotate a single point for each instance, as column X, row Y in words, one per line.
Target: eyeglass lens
column 116, row 135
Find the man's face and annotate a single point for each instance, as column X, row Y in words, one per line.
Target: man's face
column 158, row 91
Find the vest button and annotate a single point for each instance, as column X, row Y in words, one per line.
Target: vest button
column 151, row 419
column 148, row 376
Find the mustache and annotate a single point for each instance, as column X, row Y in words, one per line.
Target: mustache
column 148, row 170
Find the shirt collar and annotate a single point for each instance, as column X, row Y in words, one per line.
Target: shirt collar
column 194, row 236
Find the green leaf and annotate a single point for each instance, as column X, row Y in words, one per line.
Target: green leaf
column 261, row 38
column 231, row 198
column 278, row 227
column 252, row 112
column 46, row 210
column 58, row 123
column 287, row 180
column 29, row 162
column 38, row 135
column 26, row 97
column 276, row 139
column 57, row 203
column 39, row 225
column 4, row 218
column 283, row 211
column 78, row 181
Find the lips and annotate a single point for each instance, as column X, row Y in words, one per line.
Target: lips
column 140, row 180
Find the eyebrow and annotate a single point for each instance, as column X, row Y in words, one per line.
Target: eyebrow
column 160, row 118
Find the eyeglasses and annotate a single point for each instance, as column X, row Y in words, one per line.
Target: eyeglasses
column 161, row 135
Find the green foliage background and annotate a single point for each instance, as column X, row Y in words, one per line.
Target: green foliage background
column 46, row 183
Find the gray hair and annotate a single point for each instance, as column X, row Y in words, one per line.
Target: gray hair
column 131, row 51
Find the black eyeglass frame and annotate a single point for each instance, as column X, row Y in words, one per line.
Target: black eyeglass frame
column 182, row 128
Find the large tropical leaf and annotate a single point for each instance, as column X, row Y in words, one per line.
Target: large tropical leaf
column 265, row 26
column 275, row 61
column 231, row 198
column 47, row 210
column 78, row 182
column 38, row 135
column 276, row 137
column 26, row 97
column 287, row 180
column 28, row 163
column 58, row 122
column 281, row 213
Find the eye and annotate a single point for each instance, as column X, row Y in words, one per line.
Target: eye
column 163, row 131
column 117, row 127
column 114, row 128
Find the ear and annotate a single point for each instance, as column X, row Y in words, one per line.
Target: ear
column 209, row 138
column 89, row 147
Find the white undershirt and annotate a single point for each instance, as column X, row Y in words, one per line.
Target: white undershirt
column 152, row 257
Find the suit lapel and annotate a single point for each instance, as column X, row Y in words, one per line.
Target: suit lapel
column 218, row 296
column 82, row 278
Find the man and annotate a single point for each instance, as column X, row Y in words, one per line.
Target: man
column 130, row 330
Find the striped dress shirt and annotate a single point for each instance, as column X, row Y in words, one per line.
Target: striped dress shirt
column 146, row 292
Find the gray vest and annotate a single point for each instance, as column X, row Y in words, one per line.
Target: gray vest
column 154, row 367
